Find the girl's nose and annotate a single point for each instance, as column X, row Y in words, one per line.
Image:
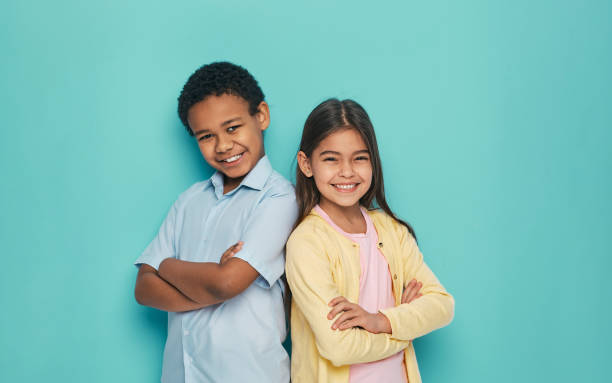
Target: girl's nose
column 346, row 169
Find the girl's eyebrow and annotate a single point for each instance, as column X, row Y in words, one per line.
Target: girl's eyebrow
column 329, row 152
column 366, row 151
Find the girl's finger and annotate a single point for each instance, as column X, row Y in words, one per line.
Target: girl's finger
column 342, row 306
column 355, row 322
column 410, row 284
column 347, row 315
column 409, row 290
column 336, row 300
column 416, row 295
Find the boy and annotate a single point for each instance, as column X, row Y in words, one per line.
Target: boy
column 216, row 262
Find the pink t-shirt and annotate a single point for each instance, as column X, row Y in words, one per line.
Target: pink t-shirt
column 375, row 293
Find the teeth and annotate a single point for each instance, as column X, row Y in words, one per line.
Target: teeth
column 232, row 159
column 345, row 186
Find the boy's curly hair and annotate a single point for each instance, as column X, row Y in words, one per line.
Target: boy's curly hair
column 216, row 79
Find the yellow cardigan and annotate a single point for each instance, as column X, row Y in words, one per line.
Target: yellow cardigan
column 323, row 264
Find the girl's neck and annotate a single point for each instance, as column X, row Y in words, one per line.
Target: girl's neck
column 350, row 219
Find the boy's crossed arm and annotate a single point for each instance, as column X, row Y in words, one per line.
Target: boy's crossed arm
column 207, row 283
column 184, row 286
column 151, row 290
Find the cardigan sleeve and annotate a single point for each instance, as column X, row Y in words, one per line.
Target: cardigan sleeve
column 434, row 309
column 309, row 274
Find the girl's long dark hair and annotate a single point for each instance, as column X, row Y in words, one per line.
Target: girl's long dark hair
column 328, row 117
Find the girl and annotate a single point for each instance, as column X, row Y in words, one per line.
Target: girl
column 352, row 268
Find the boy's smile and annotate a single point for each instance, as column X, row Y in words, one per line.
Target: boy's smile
column 229, row 137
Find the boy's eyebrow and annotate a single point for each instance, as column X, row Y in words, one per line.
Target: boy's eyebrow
column 200, row 131
column 230, row 121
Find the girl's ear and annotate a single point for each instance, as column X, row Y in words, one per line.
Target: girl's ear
column 304, row 164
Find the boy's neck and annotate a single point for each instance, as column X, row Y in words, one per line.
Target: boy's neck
column 230, row 184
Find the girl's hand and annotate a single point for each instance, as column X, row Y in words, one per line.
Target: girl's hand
column 412, row 291
column 231, row 252
column 354, row 315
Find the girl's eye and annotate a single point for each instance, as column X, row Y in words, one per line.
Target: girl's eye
column 232, row 128
column 329, row 159
column 204, row 137
column 362, row 158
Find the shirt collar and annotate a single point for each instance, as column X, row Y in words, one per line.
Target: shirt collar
column 256, row 179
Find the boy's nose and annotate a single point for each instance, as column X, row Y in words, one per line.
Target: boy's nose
column 223, row 145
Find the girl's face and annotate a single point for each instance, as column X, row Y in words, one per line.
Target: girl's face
column 341, row 169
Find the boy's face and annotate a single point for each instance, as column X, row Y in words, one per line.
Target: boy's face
column 229, row 137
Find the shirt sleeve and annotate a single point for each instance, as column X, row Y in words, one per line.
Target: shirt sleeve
column 434, row 309
column 265, row 235
column 162, row 246
column 309, row 274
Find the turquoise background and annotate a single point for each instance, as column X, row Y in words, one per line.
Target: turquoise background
column 494, row 120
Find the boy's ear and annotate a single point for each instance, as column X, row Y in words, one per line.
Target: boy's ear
column 263, row 115
column 304, row 164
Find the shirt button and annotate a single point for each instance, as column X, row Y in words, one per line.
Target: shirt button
column 186, row 332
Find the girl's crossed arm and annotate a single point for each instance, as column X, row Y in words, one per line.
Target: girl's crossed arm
column 313, row 287
column 354, row 315
column 434, row 309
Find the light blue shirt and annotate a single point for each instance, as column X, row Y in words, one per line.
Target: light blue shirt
column 238, row 340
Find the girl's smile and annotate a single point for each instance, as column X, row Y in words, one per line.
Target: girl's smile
column 341, row 168
column 346, row 188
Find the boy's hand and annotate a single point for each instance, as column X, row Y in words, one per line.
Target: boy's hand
column 354, row 315
column 231, row 252
column 412, row 291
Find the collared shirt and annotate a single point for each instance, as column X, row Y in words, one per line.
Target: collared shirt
column 323, row 264
column 238, row 340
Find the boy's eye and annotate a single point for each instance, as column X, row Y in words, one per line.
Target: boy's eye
column 204, row 137
column 232, row 128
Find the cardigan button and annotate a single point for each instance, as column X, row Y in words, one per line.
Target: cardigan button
column 380, row 244
column 394, row 276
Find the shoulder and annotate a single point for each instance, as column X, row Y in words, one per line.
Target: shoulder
column 277, row 185
column 312, row 231
column 309, row 241
column 186, row 196
column 384, row 222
